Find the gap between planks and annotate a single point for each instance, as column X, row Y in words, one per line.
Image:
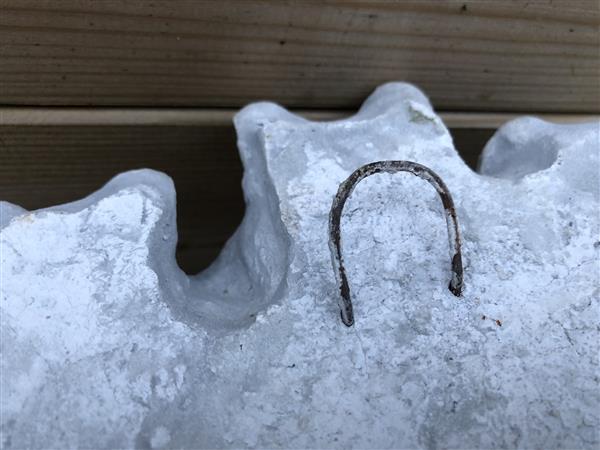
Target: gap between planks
column 106, row 116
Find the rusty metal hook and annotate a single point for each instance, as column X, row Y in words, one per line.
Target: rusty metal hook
column 335, row 217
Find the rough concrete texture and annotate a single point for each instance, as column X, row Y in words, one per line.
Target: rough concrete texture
column 107, row 344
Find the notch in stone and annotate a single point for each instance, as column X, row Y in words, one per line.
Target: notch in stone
column 335, row 217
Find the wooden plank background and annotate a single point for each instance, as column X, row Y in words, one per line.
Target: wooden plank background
column 467, row 55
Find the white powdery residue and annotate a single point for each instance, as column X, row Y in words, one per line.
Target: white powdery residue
column 59, row 283
column 160, row 438
column 73, row 305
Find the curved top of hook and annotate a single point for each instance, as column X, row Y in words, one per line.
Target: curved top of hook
column 335, row 217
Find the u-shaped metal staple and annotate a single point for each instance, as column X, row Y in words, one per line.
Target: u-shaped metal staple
column 335, row 217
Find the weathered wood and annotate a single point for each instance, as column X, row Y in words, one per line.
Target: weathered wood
column 61, row 116
column 467, row 55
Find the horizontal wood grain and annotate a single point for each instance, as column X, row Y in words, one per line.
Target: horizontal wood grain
column 466, row 55
column 61, row 116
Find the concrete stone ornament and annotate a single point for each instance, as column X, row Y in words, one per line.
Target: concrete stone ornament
column 107, row 344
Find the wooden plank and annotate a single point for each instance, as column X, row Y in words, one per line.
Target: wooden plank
column 467, row 55
column 61, row 116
